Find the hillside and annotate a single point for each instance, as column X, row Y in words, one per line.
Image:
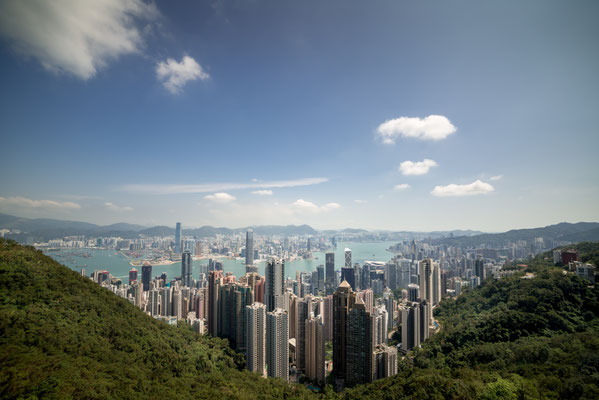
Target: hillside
column 62, row 335
column 581, row 231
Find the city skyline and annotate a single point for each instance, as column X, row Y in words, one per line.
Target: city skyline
column 393, row 116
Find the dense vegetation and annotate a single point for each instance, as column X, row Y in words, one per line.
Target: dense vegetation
column 62, row 335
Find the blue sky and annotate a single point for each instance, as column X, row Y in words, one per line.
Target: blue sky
column 290, row 97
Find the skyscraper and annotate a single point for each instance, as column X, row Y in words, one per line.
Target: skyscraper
column 330, row 272
column 425, row 271
column 255, row 328
column 275, row 283
column 304, row 309
column 348, row 274
column 360, row 345
column 249, row 247
column 132, row 275
column 410, row 326
column 347, row 258
column 343, row 301
column 186, row 269
column 146, row 276
column 315, row 355
column 214, row 282
column 178, row 238
column 277, row 344
column 153, row 302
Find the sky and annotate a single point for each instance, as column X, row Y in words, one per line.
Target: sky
column 402, row 115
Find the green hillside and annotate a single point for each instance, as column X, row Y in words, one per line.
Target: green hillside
column 62, row 335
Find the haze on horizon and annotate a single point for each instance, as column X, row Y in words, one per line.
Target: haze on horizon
column 396, row 115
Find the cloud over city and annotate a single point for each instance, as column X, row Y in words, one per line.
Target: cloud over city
column 453, row 190
column 417, row 167
column 221, row 198
column 433, row 127
column 30, row 203
column 174, row 75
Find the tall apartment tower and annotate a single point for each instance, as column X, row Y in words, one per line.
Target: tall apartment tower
column 437, row 284
column 153, row 302
column 275, row 283
column 178, row 238
column 277, row 344
column 425, row 271
column 343, row 301
column 327, row 314
column 255, row 358
column 146, row 276
column 186, row 269
column 249, row 247
column 132, row 275
column 410, row 326
column 330, row 272
column 315, row 355
column 214, row 283
column 303, row 309
column 360, row 345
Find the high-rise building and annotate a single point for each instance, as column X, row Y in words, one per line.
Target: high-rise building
column 153, row 302
column 425, row 317
column 277, row 344
column 214, row 283
column 413, row 292
column 391, row 275
column 146, row 276
column 178, row 238
column 303, row 309
column 275, row 283
column 255, row 328
column 425, row 270
column 479, row 269
column 330, row 272
column 327, row 317
column 186, row 266
column 132, row 275
column 348, row 258
column 343, row 301
column 315, row 355
column 385, row 359
column 166, row 306
column 249, row 247
column 437, row 284
column 410, row 326
column 320, row 273
column 360, row 345
column 348, row 274
column 381, row 323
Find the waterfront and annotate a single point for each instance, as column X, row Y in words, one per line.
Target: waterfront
column 119, row 266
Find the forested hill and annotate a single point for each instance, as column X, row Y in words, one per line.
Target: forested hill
column 64, row 336
column 61, row 335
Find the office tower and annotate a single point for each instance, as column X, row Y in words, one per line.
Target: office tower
column 277, row 344
column 308, row 246
column 347, row 258
column 186, row 269
column 255, row 328
column 360, row 345
column 413, row 292
column 390, row 306
column 425, row 317
column 479, row 269
column 330, row 271
column 275, row 283
column 381, row 322
column 146, row 276
column 327, row 315
column 348, row 274
column 391, row 275
column 425, row 270
column 214, row 282
column 132, row 275
column 249, row 247
column 177, row 304
column 243, row 297
column 166, row 302
column 343, row 301
column 178, row 238
column 315, row 355
column 436, row 284
column 385, row 359
column 153, row 302
column 320, row 271
column 303, row 309
column 410, row 326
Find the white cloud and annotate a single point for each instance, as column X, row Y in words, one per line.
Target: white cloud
column 453, row 190
column 73, row 36
column 304, row 205
column 220, row 197
column 29, row 203
column 216, row 187
column 401, row 186
column 496, row 177
column 114, row 207
column 174, row 75
column 416, row 168
column 263, row 192
column 360, row 201
column 433, row 127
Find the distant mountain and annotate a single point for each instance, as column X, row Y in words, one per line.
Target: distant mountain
column 566, row 232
